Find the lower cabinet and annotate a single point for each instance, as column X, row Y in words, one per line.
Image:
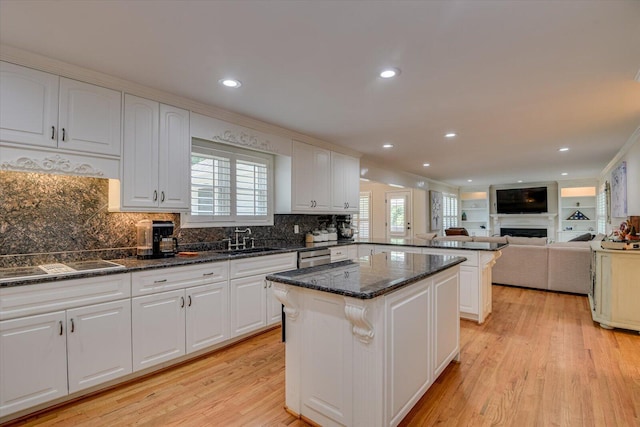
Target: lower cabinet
column 46, row 356
column 253, row 305
column 171, row 324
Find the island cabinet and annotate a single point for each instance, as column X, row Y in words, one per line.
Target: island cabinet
column 177, row 311
column 61, row 337
column 615, row 294
column 358, row 353
column 252, row 303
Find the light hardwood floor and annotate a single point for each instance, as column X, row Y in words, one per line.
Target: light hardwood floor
column 538, row 360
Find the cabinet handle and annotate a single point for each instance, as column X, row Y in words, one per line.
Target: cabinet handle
column 53, row 132
column 162, row 196
column 207, row 274
column 155, row 195
column 160, row 281
column 189, row 300
column 347, row 205
column 270, row 284
column 63, row 134
column 73, row 326
column 61, row 328
column 311, row 204
column 181, row 302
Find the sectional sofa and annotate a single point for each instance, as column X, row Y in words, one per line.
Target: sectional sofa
column 533, row 263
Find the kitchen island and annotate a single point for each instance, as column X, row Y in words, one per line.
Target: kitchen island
column 366, row 339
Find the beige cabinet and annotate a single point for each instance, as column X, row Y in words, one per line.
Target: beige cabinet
column 45, row 110
column 155, row 160
column 615, row 295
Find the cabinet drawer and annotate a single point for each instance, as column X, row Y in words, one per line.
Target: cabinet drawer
column 18, row 301
column 339, row 254
column 262, row 265
column 167, row 279
column 471, row 256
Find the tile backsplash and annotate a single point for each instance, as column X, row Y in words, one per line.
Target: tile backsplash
column 49, row 218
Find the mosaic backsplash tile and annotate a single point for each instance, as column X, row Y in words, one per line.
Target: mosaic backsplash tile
column 50, row 218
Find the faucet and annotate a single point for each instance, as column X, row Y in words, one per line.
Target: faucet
column 243, row 244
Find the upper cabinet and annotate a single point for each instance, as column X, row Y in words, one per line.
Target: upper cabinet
column 316, row 180
column 311, row 174
column 345, row 183
column 45, row 110
column 155, row 163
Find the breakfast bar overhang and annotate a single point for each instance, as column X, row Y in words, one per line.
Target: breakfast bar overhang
column 366, row 339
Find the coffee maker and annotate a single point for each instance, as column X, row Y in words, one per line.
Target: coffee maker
column 154, row 239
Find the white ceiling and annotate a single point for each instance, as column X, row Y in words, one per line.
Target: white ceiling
column 515, row 79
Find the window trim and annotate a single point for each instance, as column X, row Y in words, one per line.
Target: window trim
column 209, row 148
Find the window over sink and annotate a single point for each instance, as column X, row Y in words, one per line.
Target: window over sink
column 229, row 186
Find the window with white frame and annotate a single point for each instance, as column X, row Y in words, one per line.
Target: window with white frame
column 362, row 220
column 601, row 211
column 449, row 211
column 229, row 186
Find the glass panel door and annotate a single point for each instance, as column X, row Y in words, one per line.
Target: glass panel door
column 398, row 214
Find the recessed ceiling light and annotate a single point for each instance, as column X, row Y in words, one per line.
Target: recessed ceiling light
column 563, row 149
column 387, row 146
column 389, row 73
column 231, row 83
column 564, row 173
column 426, row 165
column 519, row 180
column 469, row 180
column 450, row 135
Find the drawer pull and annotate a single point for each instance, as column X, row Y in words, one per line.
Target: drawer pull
column 207, row 274
column 53, row 132
column 160, row 281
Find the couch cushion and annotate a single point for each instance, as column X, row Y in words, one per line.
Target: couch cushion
column 529, row 241
column 492, row 239
column 426, row 236
column 569, row 268
column 582, row 238
column 571, row 244
column 522, row 265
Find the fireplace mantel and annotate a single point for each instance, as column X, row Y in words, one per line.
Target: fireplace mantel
column 543, row 220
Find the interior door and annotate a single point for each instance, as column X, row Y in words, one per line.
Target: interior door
column 398, row 217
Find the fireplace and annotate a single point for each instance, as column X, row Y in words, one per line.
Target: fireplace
column 524, row 232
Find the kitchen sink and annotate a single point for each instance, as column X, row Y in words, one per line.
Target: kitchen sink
column 246, row 251
column 56, row 269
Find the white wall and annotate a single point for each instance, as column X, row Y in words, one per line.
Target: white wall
column 629, row 153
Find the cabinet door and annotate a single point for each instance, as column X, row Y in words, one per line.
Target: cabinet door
column 90, row 118
column 33, row 361
column 140, row 153
column 174, row 158
column 158, row 327
column 274, row 307
column 248, row 304
column 207, row 316
column 98, row 344
column 469, row 295
column 28, row 106
column 311, row 175
column 446, row 322
column 345, row 178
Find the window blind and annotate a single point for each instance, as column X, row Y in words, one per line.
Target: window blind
column 449, row 211
column 363, row 216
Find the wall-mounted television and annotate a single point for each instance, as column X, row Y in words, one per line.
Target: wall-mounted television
column 521, row 200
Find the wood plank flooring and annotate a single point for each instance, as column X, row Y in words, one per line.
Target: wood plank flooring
column 538, row 360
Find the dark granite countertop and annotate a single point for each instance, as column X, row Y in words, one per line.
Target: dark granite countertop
column 370, row 276
column 132, row 264
column 437, row 244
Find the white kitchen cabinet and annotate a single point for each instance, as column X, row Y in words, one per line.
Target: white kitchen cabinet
column 207, row 316
column 311, row 179
column 155, row 161
column 45, row 110
column 98, row 343
column 158, row 328
column 343, row 253
column 47, row 356
column 253, row 305
column 345, row 183
column 248, row 304
column 33, row 361
column 177, row 311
